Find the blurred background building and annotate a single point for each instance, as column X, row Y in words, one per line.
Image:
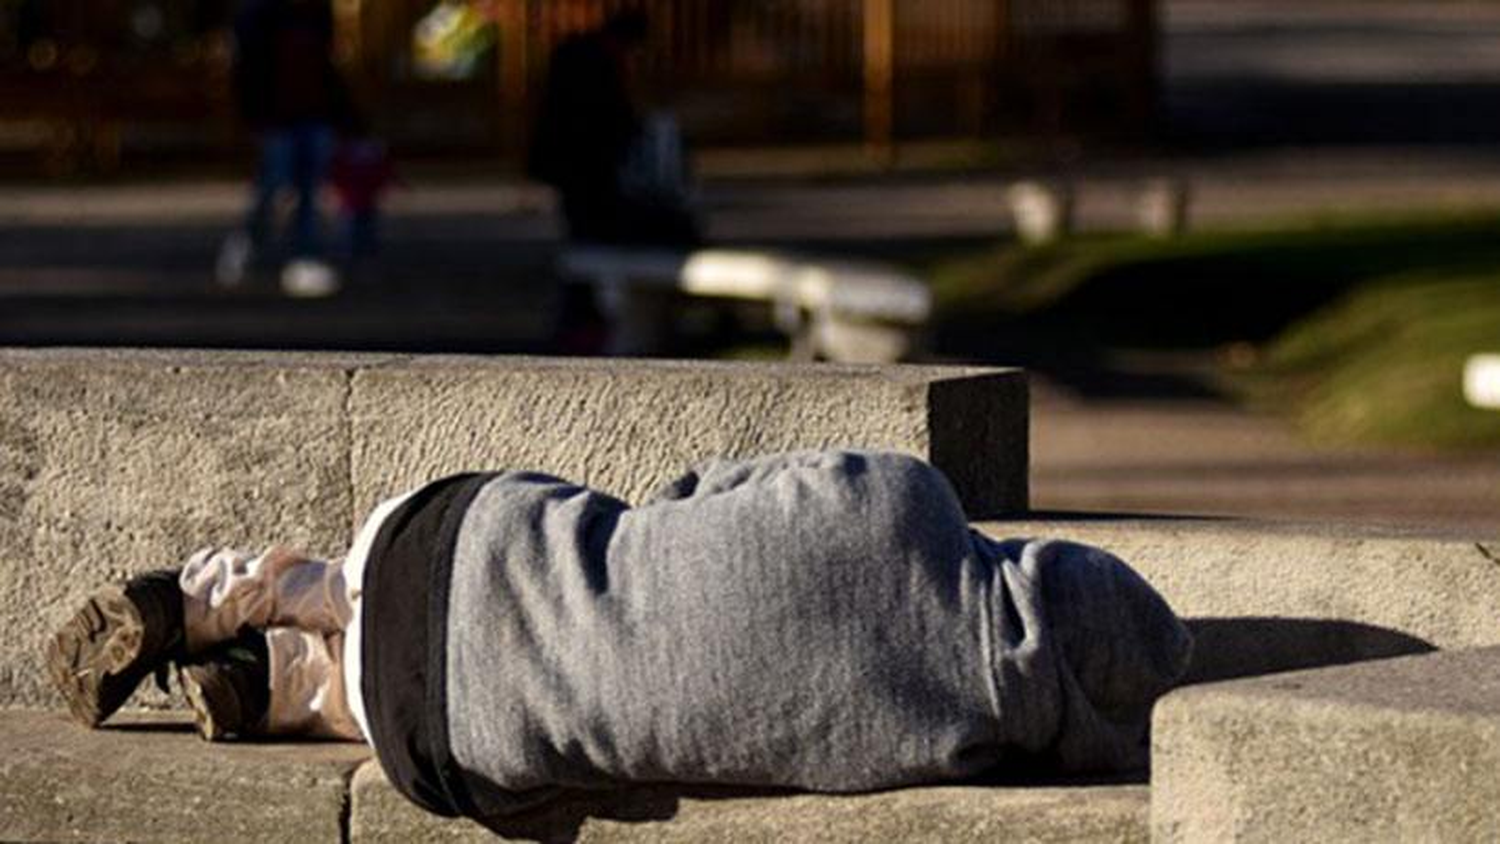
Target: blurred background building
column 85, row 82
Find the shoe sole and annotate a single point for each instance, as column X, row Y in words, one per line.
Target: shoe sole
column 85, row 658
column 215, row 705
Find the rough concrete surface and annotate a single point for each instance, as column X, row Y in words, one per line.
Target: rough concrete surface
column 115, row 462
column 152, row 779
column 1395, row 750
column 628, row 427
column 1266, row 596
column 945, row 814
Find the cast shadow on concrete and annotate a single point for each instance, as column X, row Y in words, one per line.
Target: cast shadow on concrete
column 1230, row 648
column 180, row 727
column 563, row 819
column 1065, row 516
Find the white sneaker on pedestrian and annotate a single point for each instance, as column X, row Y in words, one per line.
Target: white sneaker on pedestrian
column 233, row 265
column 306, row 278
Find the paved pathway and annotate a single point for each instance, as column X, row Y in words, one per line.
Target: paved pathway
column 1204, row 457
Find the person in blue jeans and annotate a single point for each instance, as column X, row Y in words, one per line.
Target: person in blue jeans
column 291, row 95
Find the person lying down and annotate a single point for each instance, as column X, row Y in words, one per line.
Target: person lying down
column 824, row 621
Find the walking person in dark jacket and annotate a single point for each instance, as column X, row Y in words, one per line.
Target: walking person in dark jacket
column 290, row 94
column 587, row 128
column 822, row 620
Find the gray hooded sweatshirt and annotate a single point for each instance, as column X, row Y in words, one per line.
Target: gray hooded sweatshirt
column 824, row 620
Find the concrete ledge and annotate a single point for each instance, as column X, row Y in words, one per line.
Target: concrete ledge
column 628, row 427
column 947, row 814
column 1275, row 596
column 1403, row 749
column 113, row 462
column 152, row 779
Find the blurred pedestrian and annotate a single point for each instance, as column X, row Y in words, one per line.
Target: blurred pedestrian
column 361, row 175
column 592, row 144
column 289, row 93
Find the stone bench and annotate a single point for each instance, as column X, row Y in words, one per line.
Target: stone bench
column 149, row 777
column 940, row 814
column 1260, row 597
column 113, row 462
column 1394, row 750
column 118, row 462
column 835, row 309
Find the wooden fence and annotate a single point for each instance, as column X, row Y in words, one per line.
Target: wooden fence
column 742, row 72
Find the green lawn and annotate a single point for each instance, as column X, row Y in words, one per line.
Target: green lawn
column 1357, row 328
column 1385, row 362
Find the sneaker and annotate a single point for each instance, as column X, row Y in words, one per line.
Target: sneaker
column 232, row 267
column 306, row 278
column 229, row 690
column 120, row 636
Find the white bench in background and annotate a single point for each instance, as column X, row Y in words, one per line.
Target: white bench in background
column 839, row 310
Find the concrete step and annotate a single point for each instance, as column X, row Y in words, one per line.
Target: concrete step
column 114, row 462
column 1086, row 813
column 150, row 778
column 1263, row 596
column 1394, row 750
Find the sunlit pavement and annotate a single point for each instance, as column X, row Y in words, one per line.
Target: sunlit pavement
column 1204, row 457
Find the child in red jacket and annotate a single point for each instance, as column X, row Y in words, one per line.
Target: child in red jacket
column 361, row 174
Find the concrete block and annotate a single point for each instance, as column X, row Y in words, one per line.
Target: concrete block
column 1274, row 596
column 117, row 462
column 1394, row 750
column 945, row 814
column 629, row 426
column 150, row 778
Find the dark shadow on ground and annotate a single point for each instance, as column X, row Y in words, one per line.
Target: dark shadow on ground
column 1230, row 648
column 182, row 726
column 1066, row 516
column 563, row 820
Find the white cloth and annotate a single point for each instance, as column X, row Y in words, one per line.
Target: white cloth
column 225, row 590
column 308, row 694
column 310, row 612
